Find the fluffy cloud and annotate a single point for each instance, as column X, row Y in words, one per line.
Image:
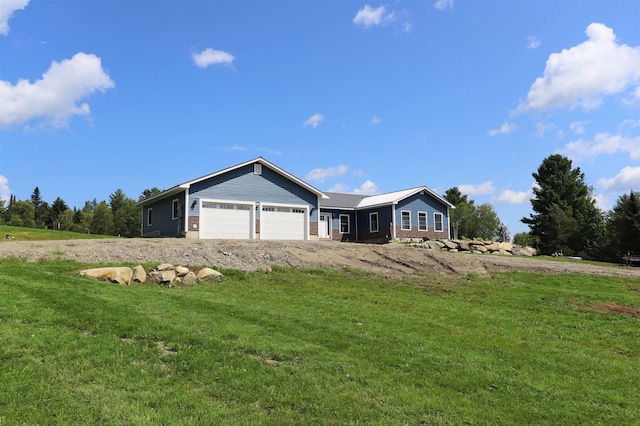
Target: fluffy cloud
column 7, row 7
column 367, row 188
column 505, row 129
column 603, row 144
column 443, row 4
column 55, row 97
column 314, row 121
column 581, row 75
column 485, row 188
column 375, row 120
column 319, row 175
column 533, row 42
column 338, row 187
column 626, row 180
column 513, row 197
column 5, row 192
column 370, row 17
column 212, row 57
column 577, row 127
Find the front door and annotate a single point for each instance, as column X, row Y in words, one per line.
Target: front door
column 324, row 226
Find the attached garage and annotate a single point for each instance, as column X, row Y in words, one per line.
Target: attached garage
column 232, row 220
column 278, row 222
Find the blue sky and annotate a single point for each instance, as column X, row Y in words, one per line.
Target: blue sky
column 351, row 96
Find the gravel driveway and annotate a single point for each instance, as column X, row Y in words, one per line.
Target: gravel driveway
column 250, row 255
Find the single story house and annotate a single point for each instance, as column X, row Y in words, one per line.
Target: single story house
column 259, row 200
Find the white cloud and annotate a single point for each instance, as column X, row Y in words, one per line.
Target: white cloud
column 602, row 202
column 319, row 175
column 485, row 188
column 581, row 75
column 505, row 129
column 338, row 187
column 369, row 17
column 628, row 179
column 577, row 127
column 367, row 188
column 443, row 4
column 602, row 144
column 542, row 129
column 212, row 57
column 375, row 120
column 55, row 97
column 509, row 196
column 7, row 7
column 533, row 42
column 314, row 121
column 5, row 192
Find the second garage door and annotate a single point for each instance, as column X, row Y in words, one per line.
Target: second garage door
column 226, row 220
column 283, row 223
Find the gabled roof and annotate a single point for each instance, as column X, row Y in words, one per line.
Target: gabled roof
column 354, row 201
column 184, row 186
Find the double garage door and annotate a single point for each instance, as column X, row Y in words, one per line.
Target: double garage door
column 237, row 221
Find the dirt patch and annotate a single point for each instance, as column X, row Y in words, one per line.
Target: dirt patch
column 615, row 308
column 251, row 255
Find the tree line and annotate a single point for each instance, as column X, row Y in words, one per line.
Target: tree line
column 565, row 218
column 119, row 216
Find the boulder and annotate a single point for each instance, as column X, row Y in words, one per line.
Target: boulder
column 163, row 277
column 181, row 271
column 478, row 247
column 505, row 246
column 115, row 274
column 189, row 278
column 523, row 251
column 434, row 245
column 139, row 274
column 463, row 246
column 450, row 244
column 208, row 274
column 165, row 267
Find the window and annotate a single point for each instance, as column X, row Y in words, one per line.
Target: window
column 422, row 221
column 149, row 217
column 406, row 221
column 344, row 223
column 257, row 169
column 437, row 218
column 373, row 222
column 175, row 210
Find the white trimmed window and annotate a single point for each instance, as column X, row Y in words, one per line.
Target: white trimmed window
column 406, row 220
column 257, row 169
column 422, row 221
column 150, row 217
column 344, row 223
column 437, row 219
column 175, row 209
column 373, row 222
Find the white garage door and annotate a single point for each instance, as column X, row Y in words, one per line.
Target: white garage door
column 283, row 223
column 226, row 220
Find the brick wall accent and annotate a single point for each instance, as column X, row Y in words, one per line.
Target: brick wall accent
column 337, row 236
column 193, row 220
column 257, row 226
column 313, row 229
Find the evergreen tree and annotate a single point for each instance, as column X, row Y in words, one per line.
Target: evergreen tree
column 565, row 217
column 623, row 225
column 36, row 200
column 102, row 222
column 57, row 208
column 148, row 193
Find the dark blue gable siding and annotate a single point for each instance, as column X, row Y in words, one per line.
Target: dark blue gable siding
column 163, row 223
column 243, row 185
column 385, row 218
column 422, row 203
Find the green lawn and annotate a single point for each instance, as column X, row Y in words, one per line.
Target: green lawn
column 34, row 234
column 318, row 347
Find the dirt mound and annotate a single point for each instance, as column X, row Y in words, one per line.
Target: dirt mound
column 249, row 255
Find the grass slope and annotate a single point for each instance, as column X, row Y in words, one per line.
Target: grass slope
column 318, row 347
column 34, row 234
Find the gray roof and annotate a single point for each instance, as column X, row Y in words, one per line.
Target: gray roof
column 353, row 201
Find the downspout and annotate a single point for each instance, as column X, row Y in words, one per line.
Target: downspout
column 356, row 215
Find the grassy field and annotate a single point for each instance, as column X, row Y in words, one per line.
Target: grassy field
column 318, row 347
column 9, row 233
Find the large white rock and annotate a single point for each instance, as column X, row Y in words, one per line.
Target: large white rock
column 208, row 274
column 139, row 274
column 114, row 274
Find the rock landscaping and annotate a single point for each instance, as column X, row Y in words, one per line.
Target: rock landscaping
column 471, row 246
column 164, row 274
